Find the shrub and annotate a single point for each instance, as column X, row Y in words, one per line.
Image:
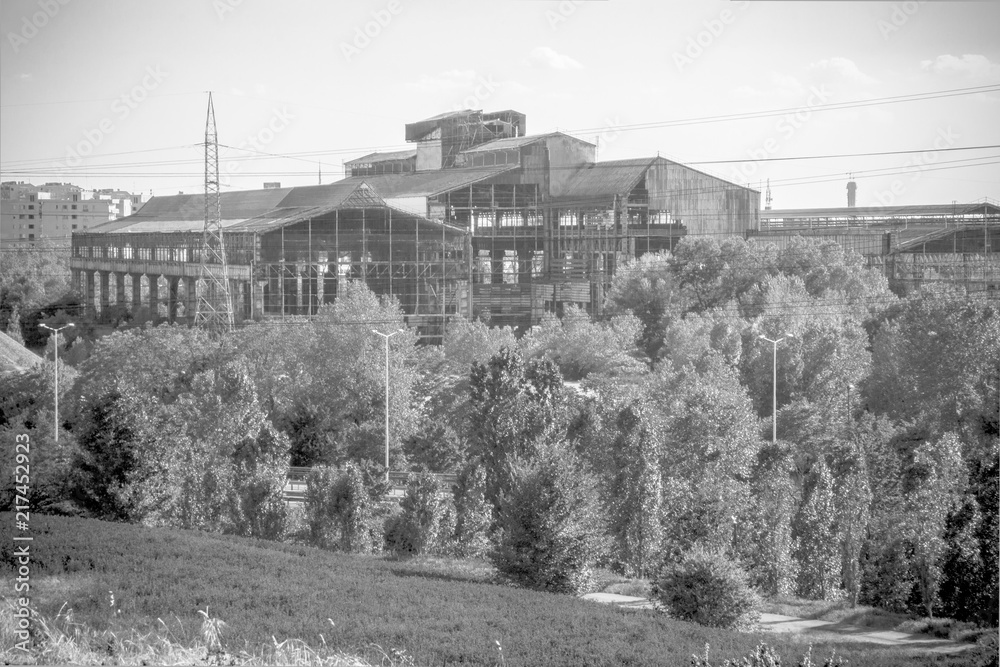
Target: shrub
column 340, row 512
column 549, row 530
column 427, row 521
column 473, row 514
column 709, row 589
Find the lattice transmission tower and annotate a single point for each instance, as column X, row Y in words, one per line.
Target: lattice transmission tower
column 215, row 307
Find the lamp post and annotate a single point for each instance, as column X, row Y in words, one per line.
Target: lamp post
column 387, row 337
column 56, row 346
column 774, row 384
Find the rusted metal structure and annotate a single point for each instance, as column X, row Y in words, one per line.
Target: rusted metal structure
column 478, row 218
column 215, row 302
column 912, row 245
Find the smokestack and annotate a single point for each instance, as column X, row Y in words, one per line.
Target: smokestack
column 852, row 189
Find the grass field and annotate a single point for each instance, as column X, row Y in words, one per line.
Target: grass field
column 147, row 583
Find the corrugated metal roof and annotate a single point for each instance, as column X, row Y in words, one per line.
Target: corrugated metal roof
column 881, row 211
column 372, row 158
column 185, row 213
column 599, row 180
column 517, row 142
column 427, row 183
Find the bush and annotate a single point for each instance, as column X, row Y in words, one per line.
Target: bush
column 549, row 530
column 473, row 514
column 709, row 589
column 340, row 512
column 427, row 521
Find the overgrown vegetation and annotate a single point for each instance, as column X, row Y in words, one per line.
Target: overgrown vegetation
column 130, row 588
column 880, row 487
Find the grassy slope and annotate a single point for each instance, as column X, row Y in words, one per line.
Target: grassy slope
column 263, row 589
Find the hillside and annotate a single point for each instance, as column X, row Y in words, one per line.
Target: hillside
column 361, row 605
column 14, row 356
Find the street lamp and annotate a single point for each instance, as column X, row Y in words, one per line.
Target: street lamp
column 56, row 346
column 387, row 337
column 774, row 384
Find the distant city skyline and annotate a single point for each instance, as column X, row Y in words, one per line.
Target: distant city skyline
column 113, row 95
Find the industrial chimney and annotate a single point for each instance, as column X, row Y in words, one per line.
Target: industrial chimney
column 852, row 189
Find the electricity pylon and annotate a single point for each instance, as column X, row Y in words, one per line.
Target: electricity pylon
column 215, row 308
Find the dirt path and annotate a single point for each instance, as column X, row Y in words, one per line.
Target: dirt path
column 822, row 630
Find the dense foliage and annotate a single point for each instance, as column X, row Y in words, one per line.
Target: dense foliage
column 880, row 486
column 263, row 589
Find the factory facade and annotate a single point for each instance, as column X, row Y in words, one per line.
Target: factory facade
column 477, row 219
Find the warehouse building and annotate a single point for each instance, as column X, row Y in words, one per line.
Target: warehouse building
column 478, row 219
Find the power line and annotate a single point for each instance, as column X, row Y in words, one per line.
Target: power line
column 912, row 97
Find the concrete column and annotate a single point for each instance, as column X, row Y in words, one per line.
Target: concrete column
column 191, row 298
column 320, row 274
column 76, row 278
column 236, row 299
column 258, row 298
column 154, row 295
column 136, row 291
column 172, row 298
column 120, row 289
column 299, row 310
column 88, row 292
column 105, row 289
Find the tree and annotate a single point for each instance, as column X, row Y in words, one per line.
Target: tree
column 935, row 476
column 853, row 501
column 818, row 549
column 14, row 324
column 647, row 288
column 341, row 511
column 32, row 277
column 712, row 272
column 344, row 382
column 474, row 515
column 710, row 445
column 581, row 347
column 549, row 531
column 763, row 538
column 514, row 410
column 427, row 522
column 635, row 494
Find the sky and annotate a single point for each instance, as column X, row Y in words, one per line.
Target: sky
column 113, row 93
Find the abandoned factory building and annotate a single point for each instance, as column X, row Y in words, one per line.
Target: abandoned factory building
column 477, row 217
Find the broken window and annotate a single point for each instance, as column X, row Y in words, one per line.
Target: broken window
column 484, row 267
column 510, row 267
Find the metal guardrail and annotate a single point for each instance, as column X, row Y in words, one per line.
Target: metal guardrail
column 295, row 489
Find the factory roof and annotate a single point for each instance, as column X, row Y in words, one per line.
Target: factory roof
column 599, row 180
column 257, row 210
column 383, row 157
column 916, row 211
column 516, row 142
column 428, row 183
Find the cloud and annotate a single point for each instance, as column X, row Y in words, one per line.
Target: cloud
column 25, row 76
column 543, row 56
column 970, row 65
column 839, row 70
